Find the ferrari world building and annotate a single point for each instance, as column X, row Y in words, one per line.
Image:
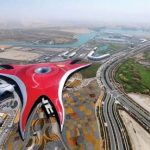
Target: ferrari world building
column 37, row 83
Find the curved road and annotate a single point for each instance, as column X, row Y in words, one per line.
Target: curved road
column 117, row 137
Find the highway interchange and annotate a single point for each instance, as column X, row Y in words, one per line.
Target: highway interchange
column 114, row 98
column 115, row 132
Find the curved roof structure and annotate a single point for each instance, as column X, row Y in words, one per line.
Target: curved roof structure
column 91, row 57
column 45, row 80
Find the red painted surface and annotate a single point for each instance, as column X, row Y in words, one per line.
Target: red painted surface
column 49, row 84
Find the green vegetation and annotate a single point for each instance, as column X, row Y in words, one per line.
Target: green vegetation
column 134, row 77
column 90, row 71
column 147, row 55
column 114, row 46
column 110, row 48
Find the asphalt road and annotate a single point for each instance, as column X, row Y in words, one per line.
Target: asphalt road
column 117, row 137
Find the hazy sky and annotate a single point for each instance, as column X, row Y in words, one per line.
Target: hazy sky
column 97, row 11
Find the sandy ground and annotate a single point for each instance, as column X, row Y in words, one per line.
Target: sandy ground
column 18, row 55
column 140, row 138
column 141, row 59
column 141, row 99
column 76, row 30
column 4, row 46
column 139, row 56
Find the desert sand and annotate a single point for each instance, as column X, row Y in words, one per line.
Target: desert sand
column 141, row 99
column 76, row 30
column 139, row 137
column 18, row 55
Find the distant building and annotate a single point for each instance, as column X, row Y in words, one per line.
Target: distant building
column 63, row 54
column 72, row 54
column 96, row 58
column 2, row 49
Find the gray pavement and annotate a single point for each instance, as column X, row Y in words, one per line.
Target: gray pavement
column 117, row 138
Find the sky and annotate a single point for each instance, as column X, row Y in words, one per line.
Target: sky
column 75, row 11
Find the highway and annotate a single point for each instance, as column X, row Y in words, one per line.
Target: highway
column 117, row 138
